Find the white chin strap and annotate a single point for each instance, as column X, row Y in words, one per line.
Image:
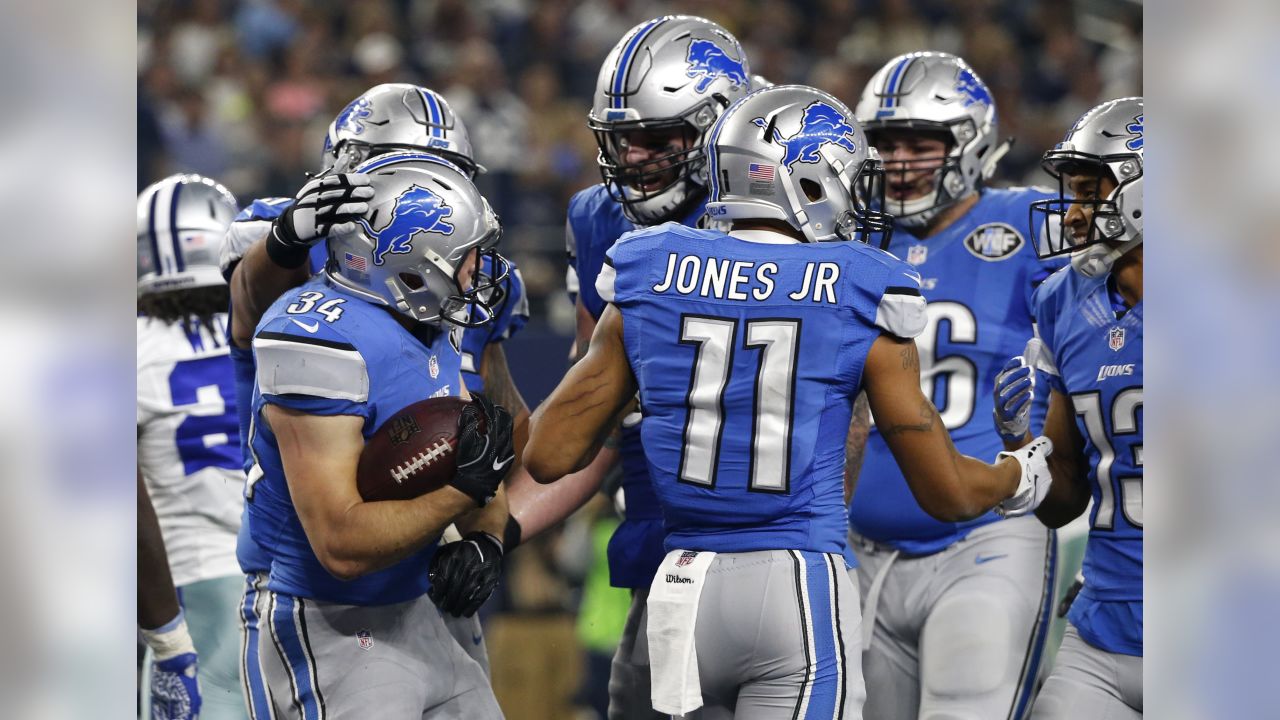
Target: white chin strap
column 1096, row 260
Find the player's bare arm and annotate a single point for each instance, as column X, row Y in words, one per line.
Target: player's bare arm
column 352, row 537
column 502, row 390
column 157, row 600
column 1069, row 494
column 255, row 284
column 949, row 486
column 855, row 444
column 568, row 429
column 537, row 507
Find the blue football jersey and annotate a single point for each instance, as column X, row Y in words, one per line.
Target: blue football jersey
column 595, row 222
column 748, row 355
column 323, row 351
column 509, row 317
column 978, row 276
column 1095, row 359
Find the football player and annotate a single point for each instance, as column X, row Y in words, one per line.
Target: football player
column 349, row 628
column 175, row 684
column 956, row 613
column 187, row 456
column 387, row 118
column 748, row 349
column 1089, row 330
column 657, row 95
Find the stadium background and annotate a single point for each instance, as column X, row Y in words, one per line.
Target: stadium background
column 243, row 91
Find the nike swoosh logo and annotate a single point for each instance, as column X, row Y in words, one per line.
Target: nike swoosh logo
column 312, row 328
column 499, row 465
column 988, row 558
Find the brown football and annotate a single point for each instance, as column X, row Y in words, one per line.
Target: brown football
column 413, row 452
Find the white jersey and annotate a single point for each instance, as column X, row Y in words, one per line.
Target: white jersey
column 188, row 446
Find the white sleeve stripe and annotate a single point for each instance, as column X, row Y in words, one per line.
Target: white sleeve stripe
column 604, row 283
column 301, row 367
column 901, row 315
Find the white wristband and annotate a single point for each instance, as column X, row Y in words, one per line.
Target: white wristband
column 169, row 640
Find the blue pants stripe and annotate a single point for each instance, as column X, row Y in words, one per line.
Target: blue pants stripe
column 1032, row 666
column 295, row 657
column 827, row 663
column 255, row 686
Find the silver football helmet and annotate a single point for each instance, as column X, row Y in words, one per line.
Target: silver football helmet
column 1108, row 140
column 181, row 221
column 398, row 116
column 424, row 219
column 670, row 74
column 937, row 93
column 796, row 154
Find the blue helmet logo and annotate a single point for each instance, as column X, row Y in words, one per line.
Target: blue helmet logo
column 417, row 210
column 1135, row 129
column 968, row 85
column 820, row 124
column 708, row 62
column 349, row 120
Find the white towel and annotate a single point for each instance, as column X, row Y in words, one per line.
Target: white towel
column 673, row 615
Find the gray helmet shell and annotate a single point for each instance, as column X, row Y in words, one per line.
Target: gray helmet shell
column 671, row 72
column 796, row 154
column 398, row 116
column 181, row 222
column 1110, row 137
column 936, row 92
column 423, row 220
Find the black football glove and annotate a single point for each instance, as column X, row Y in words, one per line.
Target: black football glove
column 464, row 574
column 321, row 204
column 484, row 458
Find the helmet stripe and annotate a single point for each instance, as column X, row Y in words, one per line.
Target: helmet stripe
column 624, row 60
column 433, row 112
column 151, row 231
column 891, row 87
column 173, row 226
column 385, row 160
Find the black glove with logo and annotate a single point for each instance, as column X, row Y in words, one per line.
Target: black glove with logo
column 464, row 574
column 484, row 458
column 321, row 204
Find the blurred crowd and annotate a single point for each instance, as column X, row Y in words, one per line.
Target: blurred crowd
column 242, row 90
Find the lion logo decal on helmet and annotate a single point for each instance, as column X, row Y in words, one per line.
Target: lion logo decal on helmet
column 971, row 87
column 707, row 61
column 350, row 118
column 417, row 210
column 1135, row 128
column 820, row 124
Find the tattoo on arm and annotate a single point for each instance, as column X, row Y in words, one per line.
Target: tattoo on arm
column 928, row 413
column 855, row 444
column 910, row 357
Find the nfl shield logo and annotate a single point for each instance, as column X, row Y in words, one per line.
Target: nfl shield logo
column 402, row 428
column 917, row 254
column 365, row 638
column 1115, row 339
column 686, row 557
column 433, row 367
